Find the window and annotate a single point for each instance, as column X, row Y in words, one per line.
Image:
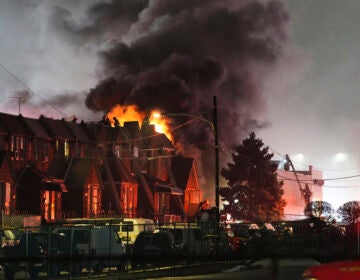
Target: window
column 35, row 149
column 5, row 197
column 116, row 151
column 51, row 202
column 17, row 147
column 66, row 149
column 92, row 200
column 45, row 150
column 127, row 226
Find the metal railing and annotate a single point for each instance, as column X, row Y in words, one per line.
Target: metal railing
column 74, row 250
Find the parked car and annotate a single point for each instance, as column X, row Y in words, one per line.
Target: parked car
column 340, row 270
column 152, row 248
column 8, row 237
column 33, row 254
column 190, row 240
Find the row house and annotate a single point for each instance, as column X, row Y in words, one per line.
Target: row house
column 60, row 169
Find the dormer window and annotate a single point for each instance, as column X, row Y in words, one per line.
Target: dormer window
column 17, row 147
column 116, row 151
column 66, row 149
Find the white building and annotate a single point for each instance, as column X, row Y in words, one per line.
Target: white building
column 295, row 190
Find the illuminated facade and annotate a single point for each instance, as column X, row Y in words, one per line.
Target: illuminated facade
column 295, row 190
column 65, row 169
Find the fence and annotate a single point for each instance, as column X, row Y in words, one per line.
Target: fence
column 79, row 249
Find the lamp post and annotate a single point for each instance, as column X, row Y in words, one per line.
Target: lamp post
column 214, row 128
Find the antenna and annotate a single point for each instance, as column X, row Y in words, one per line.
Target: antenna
column 20, row 98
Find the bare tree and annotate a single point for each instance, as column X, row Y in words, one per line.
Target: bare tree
column 350, row 212
column 319, row 209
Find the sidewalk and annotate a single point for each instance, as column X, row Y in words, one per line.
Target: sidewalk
column 198, row 269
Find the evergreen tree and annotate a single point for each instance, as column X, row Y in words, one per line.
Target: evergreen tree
column 253, row 192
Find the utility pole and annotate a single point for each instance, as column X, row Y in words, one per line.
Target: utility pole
column 19, row 98
column 217, row 222
column 217, row 179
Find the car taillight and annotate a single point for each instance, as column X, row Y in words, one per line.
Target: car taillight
column 308, row 275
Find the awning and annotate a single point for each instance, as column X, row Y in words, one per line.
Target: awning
column 168, row 189
column 53, row 185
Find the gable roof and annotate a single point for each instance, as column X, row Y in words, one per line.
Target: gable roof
column 58, row 168
column 78, row 172
column 7, row 170
column 74, row 172
column 14, row 125
column 37, row 129
column 56, row 128
column 118, row 171
column 101, row 133
column 133, row 129
column 181, row 170
column 40, row 179
column 164, row 142
column 79, row 131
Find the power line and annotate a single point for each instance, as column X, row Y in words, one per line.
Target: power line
column 236, row 122
column 29, row 89
column 326, row 179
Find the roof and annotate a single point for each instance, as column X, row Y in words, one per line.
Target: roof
column 8, row 174
column 53, row 185
column 78, row 172
column 37, row 129
column 120, row 134
column 30, row 174
column 158, row 185
column 181, row 170
column 56, row 128
column 58, row 168
column 79, row 131
column 119, row 172
column 164, row 141
column 133, row 129
column 14, row 125
column 102, row 133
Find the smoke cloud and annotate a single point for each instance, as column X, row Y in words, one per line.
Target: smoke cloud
column 176, row 55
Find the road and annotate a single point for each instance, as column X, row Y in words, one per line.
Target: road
column 262, row 270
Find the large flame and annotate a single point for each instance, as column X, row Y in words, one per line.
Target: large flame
column 161, row 123
column 132, row 113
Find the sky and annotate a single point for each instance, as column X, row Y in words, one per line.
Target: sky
column 287, row 70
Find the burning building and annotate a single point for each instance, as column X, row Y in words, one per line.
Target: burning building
column 60, row 169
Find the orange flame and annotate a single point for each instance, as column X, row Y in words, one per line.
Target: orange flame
column 132, row 113
column 125, row 114
column 161, row 123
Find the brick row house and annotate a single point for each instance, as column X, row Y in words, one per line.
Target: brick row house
column 65, row 169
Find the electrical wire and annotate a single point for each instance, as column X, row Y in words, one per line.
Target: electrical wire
column 29, row 89
column 236, row 122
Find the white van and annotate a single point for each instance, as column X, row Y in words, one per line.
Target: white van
column 101, row 244
column 129, row 228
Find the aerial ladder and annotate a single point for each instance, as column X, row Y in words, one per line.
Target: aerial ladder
column 305, row 191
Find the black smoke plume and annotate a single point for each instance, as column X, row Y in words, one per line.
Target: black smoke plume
column 176, row 55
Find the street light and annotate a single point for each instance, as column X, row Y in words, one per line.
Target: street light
column 214, row 128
